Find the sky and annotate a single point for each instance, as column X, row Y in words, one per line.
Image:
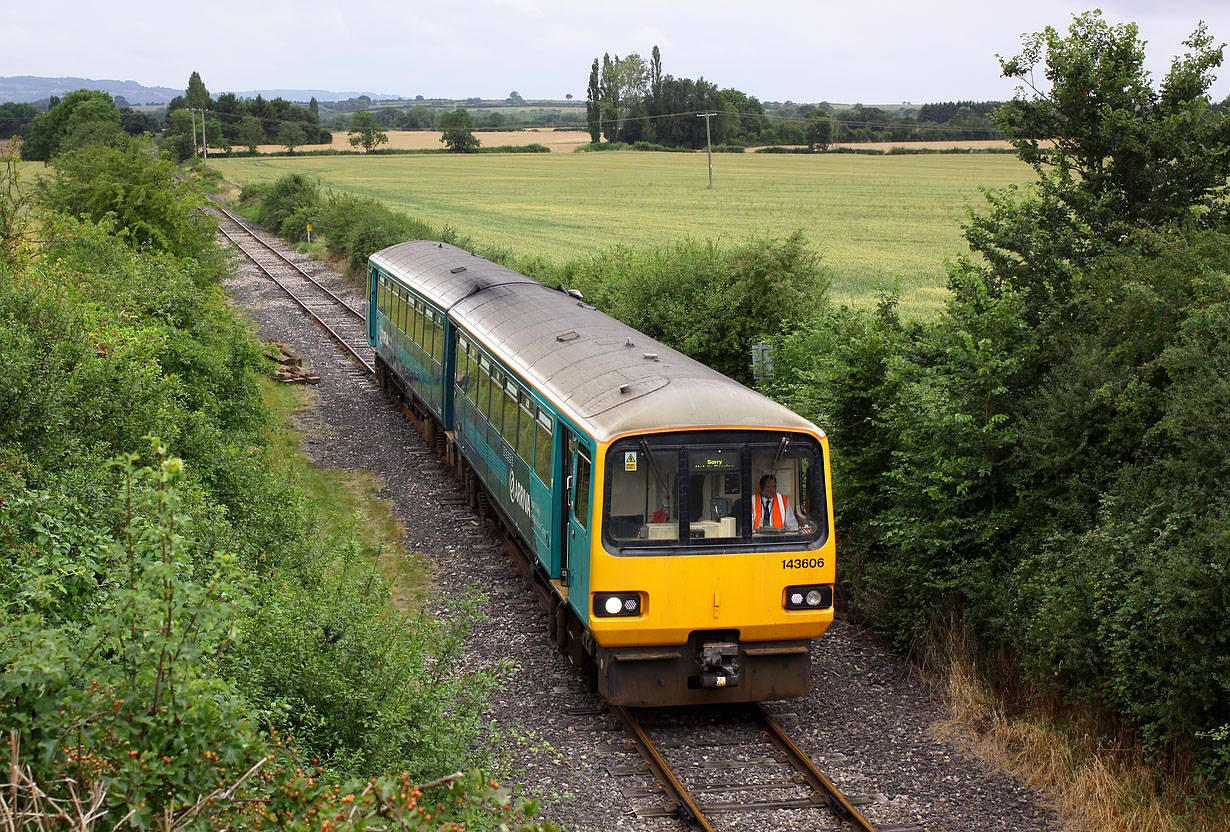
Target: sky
column 868, row 51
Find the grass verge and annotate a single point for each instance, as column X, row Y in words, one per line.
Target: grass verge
column 345, row 499
column 1097, row 777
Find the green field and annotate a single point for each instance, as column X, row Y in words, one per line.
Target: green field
column 876, row 219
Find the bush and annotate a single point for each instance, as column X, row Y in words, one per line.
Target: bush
column 284, row 197
column 709, row 303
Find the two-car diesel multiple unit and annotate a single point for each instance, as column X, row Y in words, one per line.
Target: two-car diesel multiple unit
column 629, row 472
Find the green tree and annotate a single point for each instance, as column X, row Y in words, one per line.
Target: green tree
column 819, row 130
column 179, row 137
column 291, row 135
column 81, row 117
column 251, row 133
column 365, row 131
column 458, row 127
column 593, row 105
column 1110, row 147
column 152, row 207
column 196, row 96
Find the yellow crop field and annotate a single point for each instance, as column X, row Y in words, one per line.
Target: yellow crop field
column 877, row 220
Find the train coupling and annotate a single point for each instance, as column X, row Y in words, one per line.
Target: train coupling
column 719, row 665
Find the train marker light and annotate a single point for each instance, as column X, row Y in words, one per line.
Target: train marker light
column 617, row 604
column 814, row 597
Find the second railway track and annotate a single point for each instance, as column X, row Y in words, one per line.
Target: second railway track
column 345, row 324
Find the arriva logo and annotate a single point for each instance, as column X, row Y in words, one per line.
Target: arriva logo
column 518, row 494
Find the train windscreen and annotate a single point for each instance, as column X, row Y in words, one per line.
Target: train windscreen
column 715, row 489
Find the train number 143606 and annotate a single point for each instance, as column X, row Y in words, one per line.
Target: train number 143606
column 802, row 563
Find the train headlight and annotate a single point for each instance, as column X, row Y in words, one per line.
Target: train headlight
column 812, row 597
column 617, row 604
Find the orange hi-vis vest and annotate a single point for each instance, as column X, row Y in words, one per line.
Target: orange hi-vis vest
column 778, row 518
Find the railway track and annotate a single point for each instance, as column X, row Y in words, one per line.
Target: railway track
column 731, row 768
column 344, row 323
column 712, row 769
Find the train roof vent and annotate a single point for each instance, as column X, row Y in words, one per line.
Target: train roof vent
column 457, row 270
column 570, row 335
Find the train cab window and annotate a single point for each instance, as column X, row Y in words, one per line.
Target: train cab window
column 697, row 490
column 581, row 487
column 791, row 470
column 644, row 485
column 543, row 446
column 714, row 486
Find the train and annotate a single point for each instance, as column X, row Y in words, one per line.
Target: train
column 680, row 523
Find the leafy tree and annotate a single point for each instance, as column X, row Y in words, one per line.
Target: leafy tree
column 365, row 131
column 83, row 115
column 135, row 122
column 15, row 117
column 514, row 97
column 457, row 127
column 179, row 138
column 291, row 135
column 150, row 205
column 1104, row 142
column 196, row 96
column 819, row 130
column 593, row 105
column 251, row 133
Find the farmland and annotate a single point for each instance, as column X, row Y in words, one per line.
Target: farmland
column 876, row 219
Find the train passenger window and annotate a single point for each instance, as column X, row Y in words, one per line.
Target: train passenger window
column 542, row 447
column 484, row 388
column 580, row 487
column 509, row 428
column 382, row 296
column 437, row 350
column 525, row 430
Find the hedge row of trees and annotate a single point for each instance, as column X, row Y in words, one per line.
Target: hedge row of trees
column 180, row 640
column 1047, row 462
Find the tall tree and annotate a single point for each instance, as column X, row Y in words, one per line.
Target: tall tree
column 81, row 117
column 609, row 99
column 458, row 127
column 1108, row 145
column 196, row 96
column 291, row 135
column 365, row 131
column 593, row 105
column 250, row 133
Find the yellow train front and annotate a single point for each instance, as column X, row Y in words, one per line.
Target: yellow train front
column 681, row 522
column 712, row 564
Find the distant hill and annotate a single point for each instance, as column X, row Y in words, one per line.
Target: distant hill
column 31, row 88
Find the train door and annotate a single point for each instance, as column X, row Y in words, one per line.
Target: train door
column 371, row 308
column 578, row 471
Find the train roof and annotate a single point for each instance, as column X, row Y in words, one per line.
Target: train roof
column 609, row 377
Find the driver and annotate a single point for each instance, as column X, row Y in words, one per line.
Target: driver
column 772, row 510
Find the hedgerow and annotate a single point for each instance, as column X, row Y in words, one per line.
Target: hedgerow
column 157, row 590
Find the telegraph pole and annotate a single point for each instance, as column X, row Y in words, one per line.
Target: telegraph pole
column 708, row 145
